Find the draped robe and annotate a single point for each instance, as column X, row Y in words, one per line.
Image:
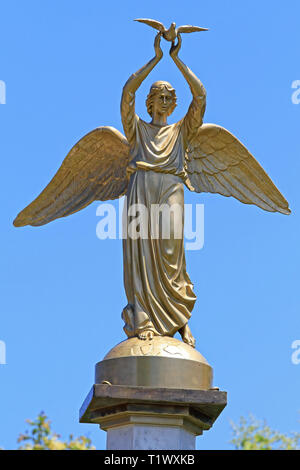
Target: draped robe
column 158, row 289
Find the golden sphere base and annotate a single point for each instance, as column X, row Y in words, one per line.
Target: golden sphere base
column 161, row 362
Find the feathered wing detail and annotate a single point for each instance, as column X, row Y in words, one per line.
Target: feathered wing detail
column 190, row 29
column 217, row 162
column 94, row 169
column 153, row 23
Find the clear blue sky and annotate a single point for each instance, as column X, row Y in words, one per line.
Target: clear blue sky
column 64, row 64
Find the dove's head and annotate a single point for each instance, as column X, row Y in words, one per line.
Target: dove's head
column 161, row 99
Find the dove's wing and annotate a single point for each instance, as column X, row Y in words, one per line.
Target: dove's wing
column 190, row 29
column 94, row 169
column 153, row 23
column 217, row 162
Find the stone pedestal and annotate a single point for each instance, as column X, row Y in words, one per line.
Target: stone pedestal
column 150, row 437
column 153, row 395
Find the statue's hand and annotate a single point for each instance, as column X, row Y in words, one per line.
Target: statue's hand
column 157, row 48
column 175, row 48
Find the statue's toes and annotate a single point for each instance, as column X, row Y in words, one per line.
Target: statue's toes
column 146, row 335
column 190, row 340
column 149, row 335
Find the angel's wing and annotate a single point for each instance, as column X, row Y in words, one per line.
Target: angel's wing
column 94, row 169
column 190, row 29
column 217, row 162
column 153, row 23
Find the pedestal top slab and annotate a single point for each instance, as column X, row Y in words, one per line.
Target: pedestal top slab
column 111, row 405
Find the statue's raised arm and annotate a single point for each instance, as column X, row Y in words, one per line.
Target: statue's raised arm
column 130, row 88
column 194, row 117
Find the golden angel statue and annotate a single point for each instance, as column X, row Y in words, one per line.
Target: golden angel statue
column 150, row 166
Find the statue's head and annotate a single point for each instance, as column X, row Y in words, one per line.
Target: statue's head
column 161, row 99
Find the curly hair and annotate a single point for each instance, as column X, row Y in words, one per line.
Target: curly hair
column 156, row 88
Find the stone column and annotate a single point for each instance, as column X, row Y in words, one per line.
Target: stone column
column 138, row 436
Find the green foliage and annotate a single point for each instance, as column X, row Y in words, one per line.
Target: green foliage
column 41, row 437
column 257, row 435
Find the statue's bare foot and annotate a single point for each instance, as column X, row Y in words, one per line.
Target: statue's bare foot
column 146, row 335
column 187, row 336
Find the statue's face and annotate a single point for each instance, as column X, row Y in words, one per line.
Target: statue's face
column 162, row 102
